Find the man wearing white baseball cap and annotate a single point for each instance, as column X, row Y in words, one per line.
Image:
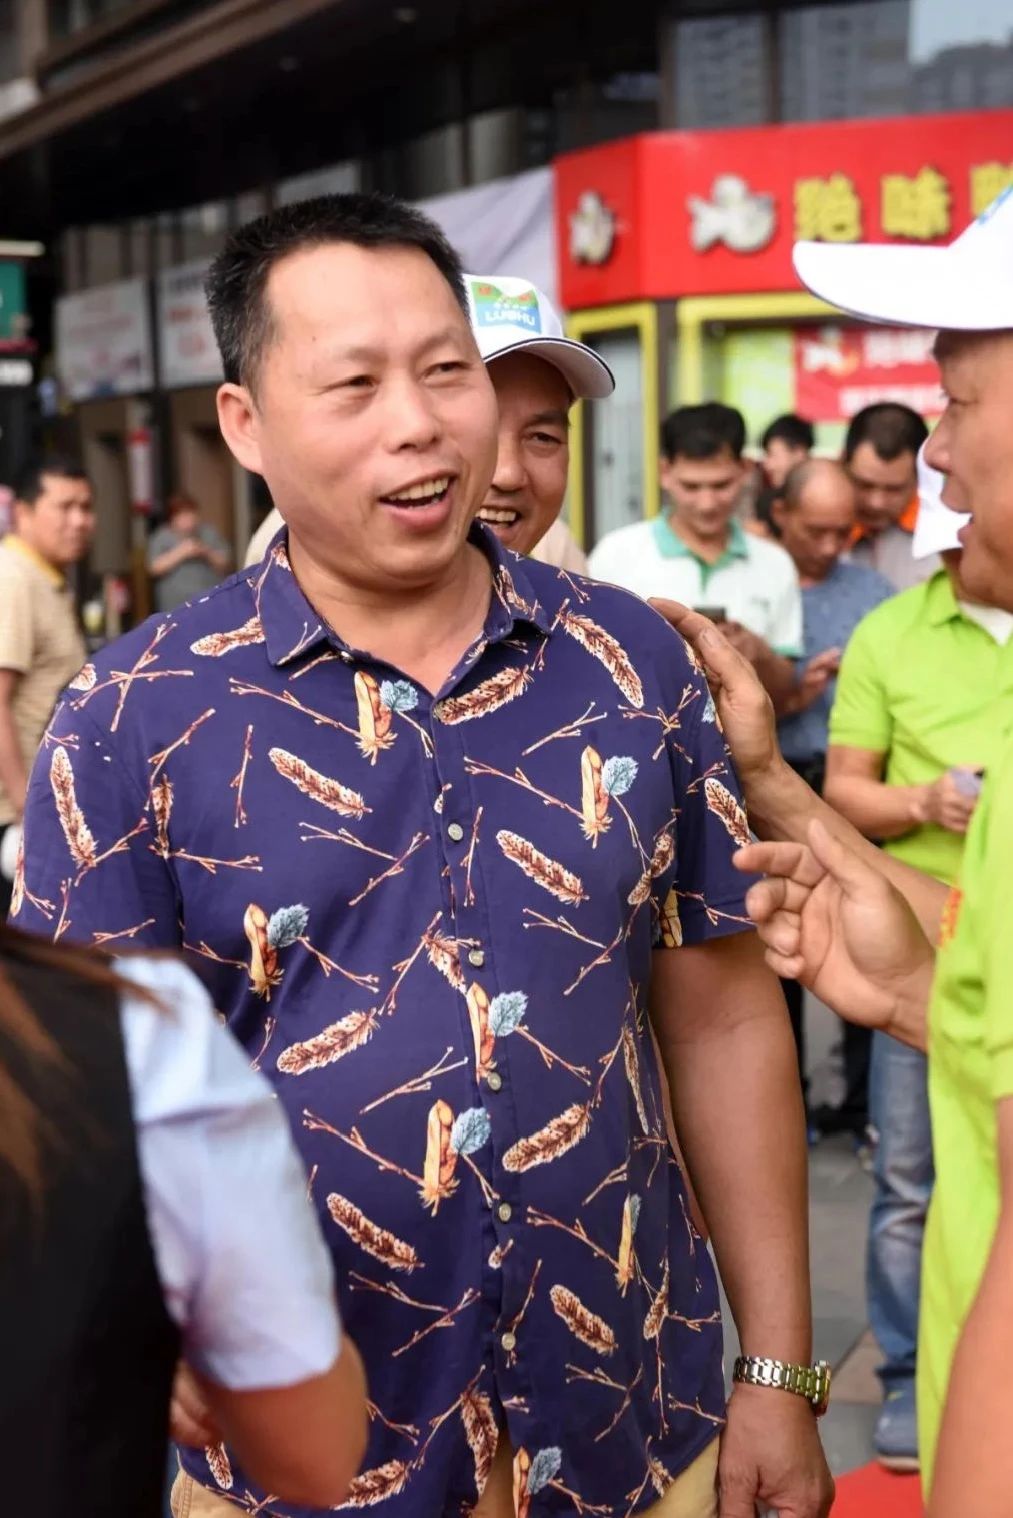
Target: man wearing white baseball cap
column 859, row 928
column 914, row 725
column 537, row 372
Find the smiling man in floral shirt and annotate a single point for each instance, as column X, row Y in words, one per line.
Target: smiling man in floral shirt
column 445, row 828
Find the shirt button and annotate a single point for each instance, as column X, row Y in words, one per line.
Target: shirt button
column 494, row 1080
column 509, row 1342
column 455, row 832
column 476, row 957
column 504, row 1212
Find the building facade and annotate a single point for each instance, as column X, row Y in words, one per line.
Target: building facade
column 135, row 133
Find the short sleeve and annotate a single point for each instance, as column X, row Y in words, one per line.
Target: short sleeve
column 700, row 894
column 860, row 717
column 244, row 1269
column 785, row 631
column 15, row 624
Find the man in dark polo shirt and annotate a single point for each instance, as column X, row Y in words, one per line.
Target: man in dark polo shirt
column 446, row 828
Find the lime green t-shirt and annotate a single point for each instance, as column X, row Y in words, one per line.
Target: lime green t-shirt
column 970, row 1070
column 918, row 683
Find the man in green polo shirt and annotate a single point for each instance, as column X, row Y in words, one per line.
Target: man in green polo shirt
column 858, row 926
column 912, row 728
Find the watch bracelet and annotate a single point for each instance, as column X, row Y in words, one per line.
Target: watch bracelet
column 801, row 1380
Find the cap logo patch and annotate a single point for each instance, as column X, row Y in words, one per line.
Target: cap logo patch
column 495, row 308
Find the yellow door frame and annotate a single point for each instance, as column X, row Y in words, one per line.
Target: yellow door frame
column 694, row 311
column 642, row 317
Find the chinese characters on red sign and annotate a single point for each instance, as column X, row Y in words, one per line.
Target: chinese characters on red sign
column 708, row 213
column 914, row 207
column 838, row 370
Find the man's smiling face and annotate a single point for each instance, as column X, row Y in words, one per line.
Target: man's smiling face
column 527, row 490
column 373, row 420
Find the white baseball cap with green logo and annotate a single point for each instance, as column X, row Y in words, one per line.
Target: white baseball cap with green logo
column 964, row 287
column 508, row 315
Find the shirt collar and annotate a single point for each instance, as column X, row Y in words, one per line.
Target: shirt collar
column 940, row 602
column 18, row 545
column 906, row 522
column 671, row 546
column 292, row 627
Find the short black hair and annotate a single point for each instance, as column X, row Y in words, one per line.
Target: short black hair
column 236, row 284
column 891, row 428
column 792, row 430
column 702, row 432
column 29, row 481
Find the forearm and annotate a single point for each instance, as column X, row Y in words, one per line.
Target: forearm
column 877, row 810
column 219, row 559
column 13, row 771
column 974, row 1464
column 738, row 1112
column 781, row 807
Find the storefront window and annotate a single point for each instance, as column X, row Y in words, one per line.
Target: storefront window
column 617, row 454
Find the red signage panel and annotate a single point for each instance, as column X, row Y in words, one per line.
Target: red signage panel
column 838, row 370
column 700, row 213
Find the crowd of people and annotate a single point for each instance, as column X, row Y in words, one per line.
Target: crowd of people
column 454, row 830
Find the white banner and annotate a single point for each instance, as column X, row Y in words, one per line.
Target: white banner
column 187, row 353
column 103, row 341
column 503, row 227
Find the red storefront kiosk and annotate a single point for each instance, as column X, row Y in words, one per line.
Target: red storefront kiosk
column 675, row 262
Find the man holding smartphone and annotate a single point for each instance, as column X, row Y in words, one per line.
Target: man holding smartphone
column 696, row 551
column 815, row 517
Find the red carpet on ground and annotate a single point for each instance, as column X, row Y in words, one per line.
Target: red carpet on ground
column 872, row 1492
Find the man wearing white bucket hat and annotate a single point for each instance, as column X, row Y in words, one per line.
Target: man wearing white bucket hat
column 537, row 372
column 858, row 926
column 913, row 727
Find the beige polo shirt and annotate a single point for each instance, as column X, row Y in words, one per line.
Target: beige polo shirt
column 40, row 639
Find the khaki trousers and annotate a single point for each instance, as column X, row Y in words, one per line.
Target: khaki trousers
column 693, row 1494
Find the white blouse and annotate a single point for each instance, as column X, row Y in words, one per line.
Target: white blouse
column 243, row 1266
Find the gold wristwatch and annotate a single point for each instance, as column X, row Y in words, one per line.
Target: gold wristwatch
column 809, row 1381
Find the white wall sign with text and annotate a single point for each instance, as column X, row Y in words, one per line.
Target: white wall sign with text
column 103, row 341
column 187, row 354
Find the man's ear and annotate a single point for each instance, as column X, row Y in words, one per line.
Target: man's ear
column 778, row 511
column 237, row 418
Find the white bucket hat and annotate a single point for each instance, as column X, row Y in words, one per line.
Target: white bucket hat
column 508, row 314
column 937, row 526
column 965, row 287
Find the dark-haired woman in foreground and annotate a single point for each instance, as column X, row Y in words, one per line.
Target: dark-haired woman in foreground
column 152, row 1206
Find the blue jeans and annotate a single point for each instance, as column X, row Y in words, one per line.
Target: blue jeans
column 904, row 1173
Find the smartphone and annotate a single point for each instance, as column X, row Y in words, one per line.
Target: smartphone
column 714, row 613
column 968, row 782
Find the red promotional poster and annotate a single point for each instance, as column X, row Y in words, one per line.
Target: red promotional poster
column 838, row 370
